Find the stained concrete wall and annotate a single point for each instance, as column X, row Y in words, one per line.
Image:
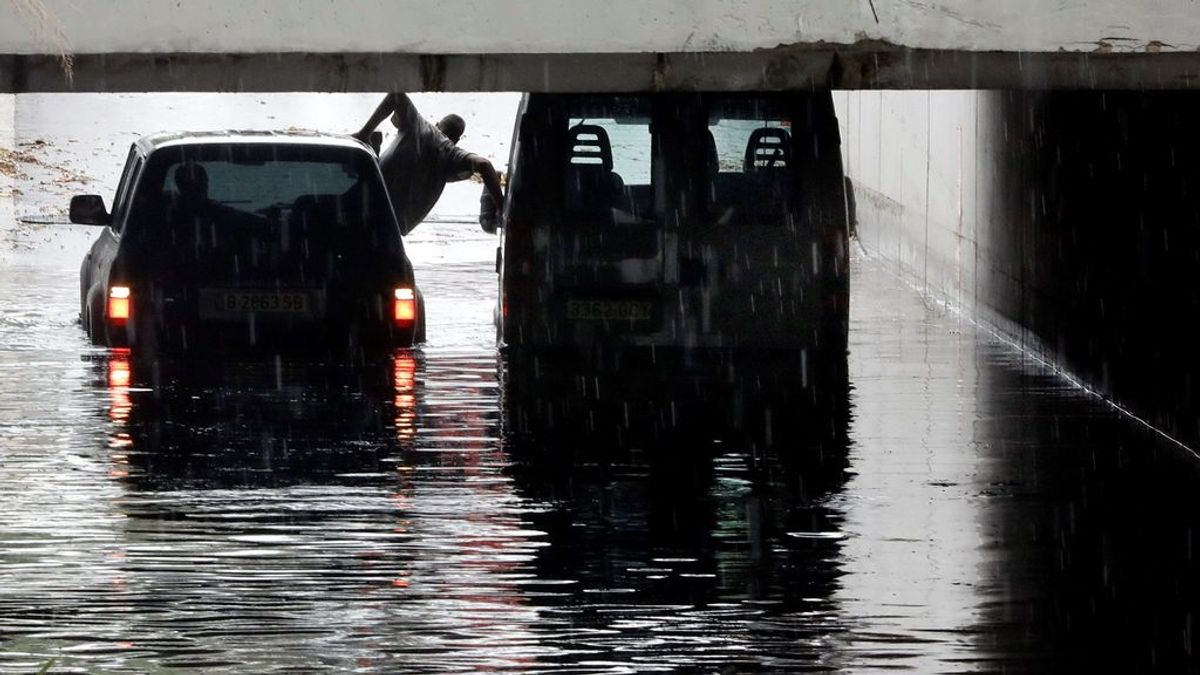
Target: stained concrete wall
column 8, row 112
column 7, row 182
column 1069, row 220
column 614, row 26
column 618, row 45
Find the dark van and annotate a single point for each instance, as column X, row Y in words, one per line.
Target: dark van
column 686, row 222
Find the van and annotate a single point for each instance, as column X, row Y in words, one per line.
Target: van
column 702, row 222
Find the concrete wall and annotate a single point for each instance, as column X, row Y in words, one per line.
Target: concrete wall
column 8, row 112
column 1070, row 220
column 8, row 125
column 571, row 45
column 615, row 26
column 7, row 183
column 912, row 156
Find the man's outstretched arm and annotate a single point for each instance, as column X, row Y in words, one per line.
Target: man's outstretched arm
column 491, row 180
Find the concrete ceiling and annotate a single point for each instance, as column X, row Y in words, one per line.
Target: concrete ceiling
column 611, row 45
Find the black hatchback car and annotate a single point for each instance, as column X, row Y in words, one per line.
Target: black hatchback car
column 248, row 241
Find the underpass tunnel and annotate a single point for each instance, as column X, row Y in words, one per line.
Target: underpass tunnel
column 1067, row 220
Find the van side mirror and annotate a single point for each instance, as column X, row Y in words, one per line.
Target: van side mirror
column 89, row 210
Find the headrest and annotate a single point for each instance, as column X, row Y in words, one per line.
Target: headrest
column 710, row 153
column 588, row 145
column 768, row 147
column 191, row 180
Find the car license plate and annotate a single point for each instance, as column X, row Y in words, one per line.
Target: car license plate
column 225, row 303
column 610, row 310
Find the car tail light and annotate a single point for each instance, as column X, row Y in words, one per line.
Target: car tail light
column 118, row 303
column 405, row 306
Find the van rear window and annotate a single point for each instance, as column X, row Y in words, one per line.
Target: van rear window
column 687, row 160
column 607, row 173
column 752, row 170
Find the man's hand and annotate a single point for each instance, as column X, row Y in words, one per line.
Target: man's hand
column 372, row 139
column 489, row 215
column 491, row 181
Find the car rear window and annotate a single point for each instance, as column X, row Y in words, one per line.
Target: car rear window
column 258, row 184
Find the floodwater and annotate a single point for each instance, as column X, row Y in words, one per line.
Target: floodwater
column 953, row 507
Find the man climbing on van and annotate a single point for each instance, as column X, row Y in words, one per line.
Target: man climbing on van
column 424, row 157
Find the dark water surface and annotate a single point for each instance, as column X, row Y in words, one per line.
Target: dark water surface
column 970, row 512
column 952, row 507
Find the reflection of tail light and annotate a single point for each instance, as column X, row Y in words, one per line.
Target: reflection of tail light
column 118, row 303
column 119, row 404
column 118, row 369
column 404, row 309
column 404, row 379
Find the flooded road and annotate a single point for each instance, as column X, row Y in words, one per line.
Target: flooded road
column 953, row 507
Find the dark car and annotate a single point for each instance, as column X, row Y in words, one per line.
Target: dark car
column 248, row 241
column 685, row 222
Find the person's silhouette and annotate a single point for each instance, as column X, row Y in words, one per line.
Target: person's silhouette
column 191, row 181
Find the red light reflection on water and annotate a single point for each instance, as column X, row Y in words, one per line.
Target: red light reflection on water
column 119, row 407
column 404, row 381
column 119, row 376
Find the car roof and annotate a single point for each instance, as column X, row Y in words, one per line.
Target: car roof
column 166, row 139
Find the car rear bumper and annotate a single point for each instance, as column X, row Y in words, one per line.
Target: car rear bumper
column 262, row 337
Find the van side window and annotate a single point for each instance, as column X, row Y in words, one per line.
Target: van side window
column 607, row 163
column 751, row 168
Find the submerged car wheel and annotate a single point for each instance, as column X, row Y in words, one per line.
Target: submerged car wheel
column 94, row 326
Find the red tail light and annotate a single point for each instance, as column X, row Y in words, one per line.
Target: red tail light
column 405, row 306
column 118, row 303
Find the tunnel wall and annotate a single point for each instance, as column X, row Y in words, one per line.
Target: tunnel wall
column 8, row 120
column 7, row 182
column 8, row 139
column 1068, row 220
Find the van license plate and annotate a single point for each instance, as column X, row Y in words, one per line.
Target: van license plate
column 609, row 310
column 217, row 303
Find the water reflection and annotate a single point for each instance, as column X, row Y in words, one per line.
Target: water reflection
column 217, row 424
column 1101, row 517
column 438, row 512
column 285, row 514
column 685, row 505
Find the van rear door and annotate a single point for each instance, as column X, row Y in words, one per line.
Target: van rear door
column 586, row 253
column 701, row 220
column 761, row 245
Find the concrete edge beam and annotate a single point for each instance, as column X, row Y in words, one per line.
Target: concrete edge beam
column 855, row 67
